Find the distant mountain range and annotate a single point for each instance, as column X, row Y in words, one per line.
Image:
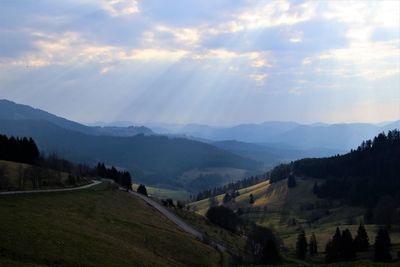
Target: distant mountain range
column 163, row 154
column 152, row 159
column 336, row 137
column 271, row 154
column 12, row 111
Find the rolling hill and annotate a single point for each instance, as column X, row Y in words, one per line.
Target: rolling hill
column 97, row 227
column 151, row 159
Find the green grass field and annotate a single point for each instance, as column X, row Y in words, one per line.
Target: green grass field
column 275, row 205
column 98, row 227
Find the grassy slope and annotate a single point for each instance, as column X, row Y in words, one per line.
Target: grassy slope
column 93, row 228
column 275, row 204
column 162, row 193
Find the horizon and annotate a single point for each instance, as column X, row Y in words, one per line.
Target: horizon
column 161, row 124
column 212, row 63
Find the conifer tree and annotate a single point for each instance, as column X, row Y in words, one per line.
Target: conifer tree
column 332, row 249
column 361, row 241
column 382, row 246
column 347, row 251
column 301, row 246
column 313, row 246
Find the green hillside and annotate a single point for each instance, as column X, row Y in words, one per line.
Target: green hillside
column 287, row 210
column 98, row 227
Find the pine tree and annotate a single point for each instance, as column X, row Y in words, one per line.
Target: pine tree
column 361, row 241
column 313, row 246
column 333, row 248
column 347, row 251
column 382, row 246
column 301, row 246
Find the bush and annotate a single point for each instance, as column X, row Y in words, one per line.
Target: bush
column 223, row 217
column 262, row 245
column 142, row 190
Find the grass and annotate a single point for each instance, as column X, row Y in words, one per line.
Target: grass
column 98, row 227
column 360, row 263
column 233, row 242
column 276, row 204
column 162, row 193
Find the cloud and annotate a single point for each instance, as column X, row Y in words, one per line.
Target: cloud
column 203, row 53
column 259, row 78
column 265, row 15
column 121, row 7
column 185, row 36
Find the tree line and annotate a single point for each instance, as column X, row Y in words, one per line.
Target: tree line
column 122, row 178
column 231, row 188
column 342, row 246
column 23, row 150
column 361, row 176
column 46, row 170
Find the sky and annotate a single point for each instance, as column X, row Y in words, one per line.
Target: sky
column 216, row 62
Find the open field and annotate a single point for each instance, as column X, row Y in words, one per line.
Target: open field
column 98, row 227
column 162, row 193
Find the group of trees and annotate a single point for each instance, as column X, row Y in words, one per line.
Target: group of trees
column 280, row 172
column 303, row 247
column 231, row 187
column 261, row 246
column 362, row 176
column 122, row 178
column 45, row 170
column 224, row 217
column 22, row 150
column 142, row 190
column 342, row 247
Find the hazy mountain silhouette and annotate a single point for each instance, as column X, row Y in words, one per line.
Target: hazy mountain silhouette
column 151, row 159
column 12, row 111
column 336, row 137
column 273, row 153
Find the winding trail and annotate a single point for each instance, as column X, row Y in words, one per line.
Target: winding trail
column 95, row 182
column 178, row 221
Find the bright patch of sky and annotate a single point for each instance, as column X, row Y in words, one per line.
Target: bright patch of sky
column 203, row 61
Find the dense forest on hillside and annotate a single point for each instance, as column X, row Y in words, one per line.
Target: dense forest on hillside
column 45, row 170
column 22, row 150
column 362, row 176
